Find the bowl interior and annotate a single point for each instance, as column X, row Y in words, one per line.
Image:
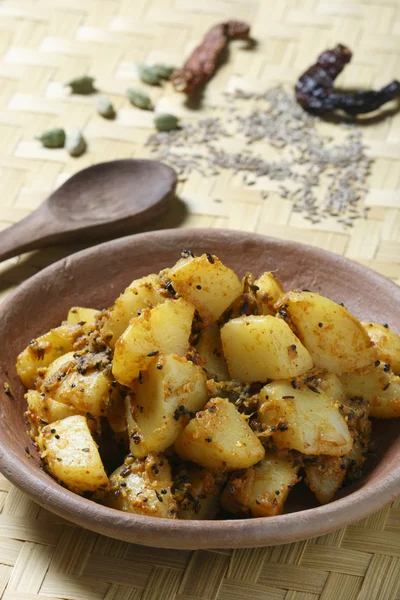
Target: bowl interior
column 94, row 278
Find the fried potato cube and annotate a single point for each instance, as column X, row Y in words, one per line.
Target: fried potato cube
column 305, row 420
column 378, row 386
column 71, row 455
column 164, row 329
column 143, row 487
column 85, row 317
column 207, row 283
column 88, row 392
column 262, row 490
column 269, row 291
column 219, row 438
column 198, row 492
column 210, row 350
column 171, row 390
column 325, row 476
column 43, row 350
column 142, row 293
column 387, row 344
column 171, row 325
column 43, row 410
column 258, row 348
column 335, row 339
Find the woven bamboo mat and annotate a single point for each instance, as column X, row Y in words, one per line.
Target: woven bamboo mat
column 44, row 43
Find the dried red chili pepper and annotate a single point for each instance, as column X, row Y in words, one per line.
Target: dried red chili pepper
column 315, row 92
column 202, row 63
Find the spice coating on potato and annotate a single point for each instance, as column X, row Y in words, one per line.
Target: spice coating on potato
column 43, row 350
column 162, row 403
column 197, row 492
column 258, row 348
column 71, row 455
column 85, row 317
column 165, row 329
column 335, row 339
column 219, row 438
column 43, row 410
column 269, row 290
column 140, row 294
column 210, row 350
column 387, row 344
column 207, row 284
column 378, row 386
column 143, row 486
column 82, row 380
column 304, row 419
column 324, row 477
column 262, row 489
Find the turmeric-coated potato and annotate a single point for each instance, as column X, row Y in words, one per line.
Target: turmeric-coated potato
column 165, row 398
column 164, row 329
column 335, row 339
column 305, row 420
column 42, row 351
column 219, row 438
column 262, row 489
column 258, row 348
column 71, row 455
column 207, row 283
column 387, row 344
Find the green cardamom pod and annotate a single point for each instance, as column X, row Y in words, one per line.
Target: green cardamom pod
column 139, row 98
column 75, row 143
column 105, row 108
column 166, row 122
column 163, row 71
column 148, row 75
column 53, row 138
column 82, row 85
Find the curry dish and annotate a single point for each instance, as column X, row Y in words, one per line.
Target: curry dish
column 201, row 396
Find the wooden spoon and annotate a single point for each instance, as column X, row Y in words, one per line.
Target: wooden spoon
column 107, row 199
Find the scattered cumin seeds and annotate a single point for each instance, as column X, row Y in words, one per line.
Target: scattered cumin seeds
column 323, row 179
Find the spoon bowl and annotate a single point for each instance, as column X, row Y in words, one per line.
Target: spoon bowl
column 105, row 200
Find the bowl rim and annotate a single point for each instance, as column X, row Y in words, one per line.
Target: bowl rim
column 186, row 533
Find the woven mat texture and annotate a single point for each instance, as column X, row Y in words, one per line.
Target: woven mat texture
column 43, row 44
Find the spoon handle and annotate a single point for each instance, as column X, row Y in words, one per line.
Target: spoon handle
column 28, row 234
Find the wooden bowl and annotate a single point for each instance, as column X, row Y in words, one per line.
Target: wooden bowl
column 94, row 278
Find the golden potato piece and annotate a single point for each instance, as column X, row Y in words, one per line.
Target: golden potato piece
column 164, row 329
column 88, row 392
column 269, row 292
column 143, row 487
column 335, row 339
column 44, row 411
column 142, row 293
column 207, row 283
column 325, row 476
column 210, row 350
column 304, row 419
column 71, row 455
column 43, row 350
column 171, row 390
column 258, row 348
column 197, row 492
column 262, row 490
column 85, row 317
column 171, row 325
column 219, row 438
column 387, row 344
column 378, row 386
